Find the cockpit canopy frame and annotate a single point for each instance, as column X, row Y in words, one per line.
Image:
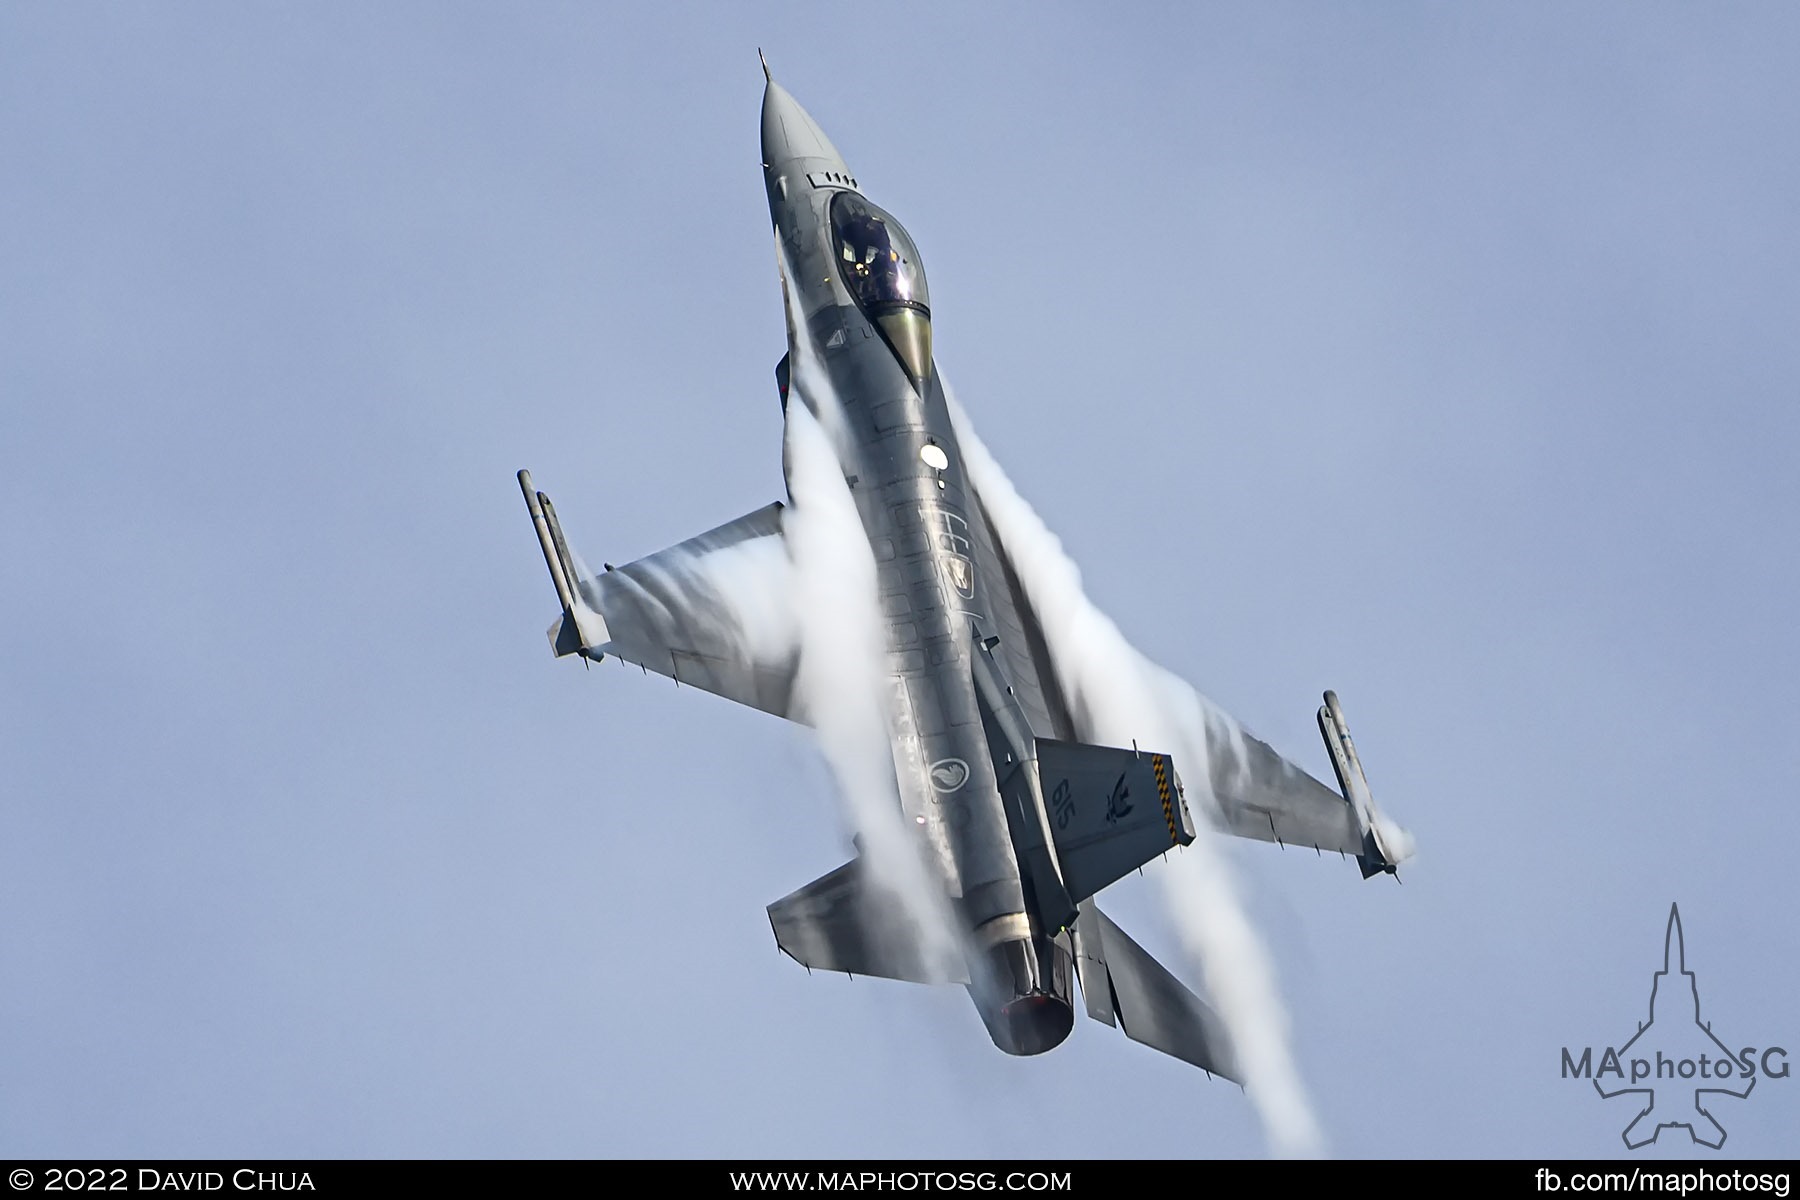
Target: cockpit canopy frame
column 881, row 270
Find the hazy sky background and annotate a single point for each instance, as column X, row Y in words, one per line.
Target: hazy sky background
column 1443, row 355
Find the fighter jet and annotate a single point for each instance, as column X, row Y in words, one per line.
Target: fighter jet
column 1019, row 822
column 1675, row 1027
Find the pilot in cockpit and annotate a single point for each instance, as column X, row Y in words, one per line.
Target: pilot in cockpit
column 873, row 267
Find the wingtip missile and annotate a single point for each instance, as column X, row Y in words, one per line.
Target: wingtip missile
column 561, row 546
column 540, row 521
column 1384, row 845
column 580, row 628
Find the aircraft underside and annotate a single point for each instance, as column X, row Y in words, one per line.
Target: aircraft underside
column 1017, row 822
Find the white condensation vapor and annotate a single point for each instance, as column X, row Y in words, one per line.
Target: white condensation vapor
column 810, row 596
column 1117, row 697
column 841, row 670
column 1395, row 839
column 842, row 680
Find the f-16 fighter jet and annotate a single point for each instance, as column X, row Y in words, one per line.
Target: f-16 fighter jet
column 1019, row 824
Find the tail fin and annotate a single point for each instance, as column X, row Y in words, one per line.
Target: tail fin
column 1110, row 811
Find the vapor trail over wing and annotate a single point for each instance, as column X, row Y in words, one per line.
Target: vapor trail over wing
column 1259, row 793
column 714, row 612
column 1003, row 752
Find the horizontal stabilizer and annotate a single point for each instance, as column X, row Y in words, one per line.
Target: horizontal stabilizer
column 1152, row 1006
column 1110, row 811
column 845, row 922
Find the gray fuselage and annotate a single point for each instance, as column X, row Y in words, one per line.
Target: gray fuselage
column 859, row 315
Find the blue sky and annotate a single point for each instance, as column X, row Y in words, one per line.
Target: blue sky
column 1440, row 355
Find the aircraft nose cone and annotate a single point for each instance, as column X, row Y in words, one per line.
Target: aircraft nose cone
column 789, row 132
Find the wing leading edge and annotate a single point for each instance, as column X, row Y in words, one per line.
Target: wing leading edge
column 714, row 611
column 1259, row 793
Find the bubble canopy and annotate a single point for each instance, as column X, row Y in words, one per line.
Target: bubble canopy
column 880, row 267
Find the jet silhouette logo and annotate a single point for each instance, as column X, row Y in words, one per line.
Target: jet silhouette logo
column 1678, row 1056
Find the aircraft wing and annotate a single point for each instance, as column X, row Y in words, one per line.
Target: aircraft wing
column 713, row 612
column 1264, row 796
column 1260, row 794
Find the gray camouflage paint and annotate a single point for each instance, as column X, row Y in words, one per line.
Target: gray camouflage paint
column 972, row 687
